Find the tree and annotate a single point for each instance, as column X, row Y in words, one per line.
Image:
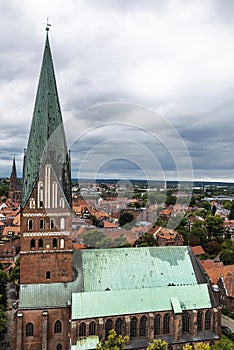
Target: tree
column 203, row 346
column 206, row 206
column 3, row 288
column 125, row 218
column 227, row 257
column 92, row 238
column 214, row 225
column 15, row 275
column 199, row 230
column 158, row 344
column 223, row 344
column 113, row 342
column 3, row 323
column 213, row 248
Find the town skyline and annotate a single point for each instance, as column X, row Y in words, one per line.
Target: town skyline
column 173, row 61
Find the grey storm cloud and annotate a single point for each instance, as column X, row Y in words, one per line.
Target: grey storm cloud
column 171, row 58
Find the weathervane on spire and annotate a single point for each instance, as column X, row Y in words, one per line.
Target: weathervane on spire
column 48, row 25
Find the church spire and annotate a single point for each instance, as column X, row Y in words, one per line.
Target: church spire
column 47, row 141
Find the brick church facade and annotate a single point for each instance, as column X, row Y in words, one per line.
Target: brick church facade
column 70, row 299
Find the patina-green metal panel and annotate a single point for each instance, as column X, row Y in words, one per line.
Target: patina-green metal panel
column 136, row 268
column 176, row 307
column 47, row 141
column 125, row 302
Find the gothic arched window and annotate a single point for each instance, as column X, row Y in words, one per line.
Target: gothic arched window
column 59, row 347
column 55, row 243
column 157, row 325
column 40, row 243
column 119, row 326
column 32, row 244
column 143, row 321
column 92, row 328
column 133, row 327
column 207, row 320
column 58, row 326
column 82, row 330
column 109, row 326
column 166, row 324
column 199, row 320
column 41, row 224
column 185, row 322
column 52, row 224
column 29, row 329
column 62, row 243
column 30, row 224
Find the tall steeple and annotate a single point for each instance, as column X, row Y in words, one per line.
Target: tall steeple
column 46, row 217
column 47, row 141
column 13, row 177
column 14, row 188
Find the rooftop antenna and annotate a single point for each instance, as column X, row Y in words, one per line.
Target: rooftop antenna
column 48, row 25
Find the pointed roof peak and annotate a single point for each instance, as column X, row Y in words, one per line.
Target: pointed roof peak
column 48, row 25
column 47, row 141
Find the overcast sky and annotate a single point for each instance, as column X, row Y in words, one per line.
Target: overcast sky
column 146, row 87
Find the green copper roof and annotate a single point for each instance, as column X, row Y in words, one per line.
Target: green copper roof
column 136, row 268
column 165, row 274
column 47, row 140
column 124, row 302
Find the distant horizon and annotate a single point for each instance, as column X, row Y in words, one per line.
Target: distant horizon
column 98, row 180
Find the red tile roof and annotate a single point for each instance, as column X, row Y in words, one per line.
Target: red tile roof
column 198, row 250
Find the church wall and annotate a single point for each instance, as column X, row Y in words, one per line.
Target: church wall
column 45, row 334
column 173, row 330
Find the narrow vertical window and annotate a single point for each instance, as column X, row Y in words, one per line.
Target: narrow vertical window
column 92, row 328
column 157, row 325
column 41, row 224
column 119, row 326
column 108, row 327
column 40, row 243
column 61, row 243
column 62, row 224
column 47, row 275
column 199, row 320
column 32, row 244
column 55, row 244
column 29, row 329
column 82, row 330
column 58, row 326
column 207, row 320
column 30, row 224
column 52, row 224
column 143, row 321
column 166, row 324
column 133, row 327
column 185, row 322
